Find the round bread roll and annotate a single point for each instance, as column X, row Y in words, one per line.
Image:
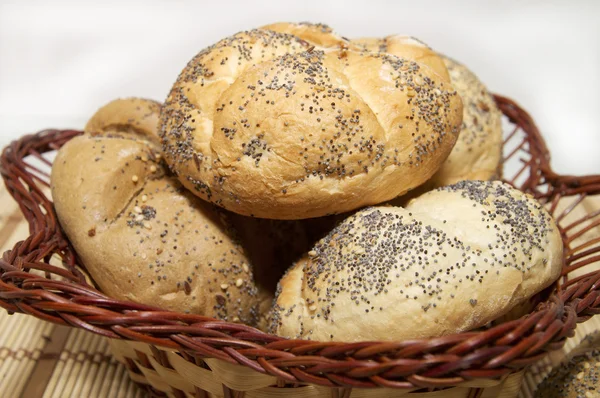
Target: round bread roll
column 477, row 154
column 266, row 124
column 455, row 259
column 127, row 116
column 578, row 378
column 144, row 238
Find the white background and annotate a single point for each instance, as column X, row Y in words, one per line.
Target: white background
column 61, row 60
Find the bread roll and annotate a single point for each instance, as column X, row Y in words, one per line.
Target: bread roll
column 578, row 378
column 477, row 154
column 455, row 259
column 144, row 238
column 267, row 125
column 136, row 117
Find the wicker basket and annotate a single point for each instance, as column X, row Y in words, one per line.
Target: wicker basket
column 181, row 355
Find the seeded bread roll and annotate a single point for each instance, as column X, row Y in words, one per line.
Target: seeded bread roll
column 578, row 378
column 136, row 117
column 455, row 259
column 268, row 125
column 143, row 237
column 477, row 154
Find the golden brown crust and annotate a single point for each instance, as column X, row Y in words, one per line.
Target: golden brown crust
column 455, row 259
column 134, row 116
column 141, row 235
column 477, row 154
column 269, row 125
column 315, row 33
column 405, row 47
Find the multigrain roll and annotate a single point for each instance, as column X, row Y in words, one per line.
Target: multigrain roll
column 267, row 124
column 455, row 259
column 143, row 237
column 477, row 154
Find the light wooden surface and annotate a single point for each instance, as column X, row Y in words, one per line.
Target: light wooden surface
column 39, row 359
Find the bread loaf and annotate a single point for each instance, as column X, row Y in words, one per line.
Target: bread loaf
column 454, row 259
column 141, row 235
column 270, row 125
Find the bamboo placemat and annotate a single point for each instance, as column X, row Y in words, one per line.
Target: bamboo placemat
column 40, row 359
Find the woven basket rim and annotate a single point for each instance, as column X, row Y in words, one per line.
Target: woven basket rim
column 434, row 362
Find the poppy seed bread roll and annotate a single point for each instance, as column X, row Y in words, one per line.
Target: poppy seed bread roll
column 266, row 124
column 140, row 234
column 477, row 154
column 454, row 259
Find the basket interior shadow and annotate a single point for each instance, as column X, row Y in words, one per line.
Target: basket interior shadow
column 41, row 276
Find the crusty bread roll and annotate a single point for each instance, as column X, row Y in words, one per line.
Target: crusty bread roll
column 269, row 125
column 455, row 259
column 137, row 117
column 144, row 238
column 579, row 377
column 477, row 154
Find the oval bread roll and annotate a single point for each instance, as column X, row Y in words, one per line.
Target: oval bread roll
column 267, row 124
column 142, row 236
column 454, row 259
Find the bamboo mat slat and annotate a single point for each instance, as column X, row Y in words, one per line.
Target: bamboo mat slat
column 39, row 359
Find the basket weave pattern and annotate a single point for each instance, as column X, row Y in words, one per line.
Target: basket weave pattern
column 191, row 355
